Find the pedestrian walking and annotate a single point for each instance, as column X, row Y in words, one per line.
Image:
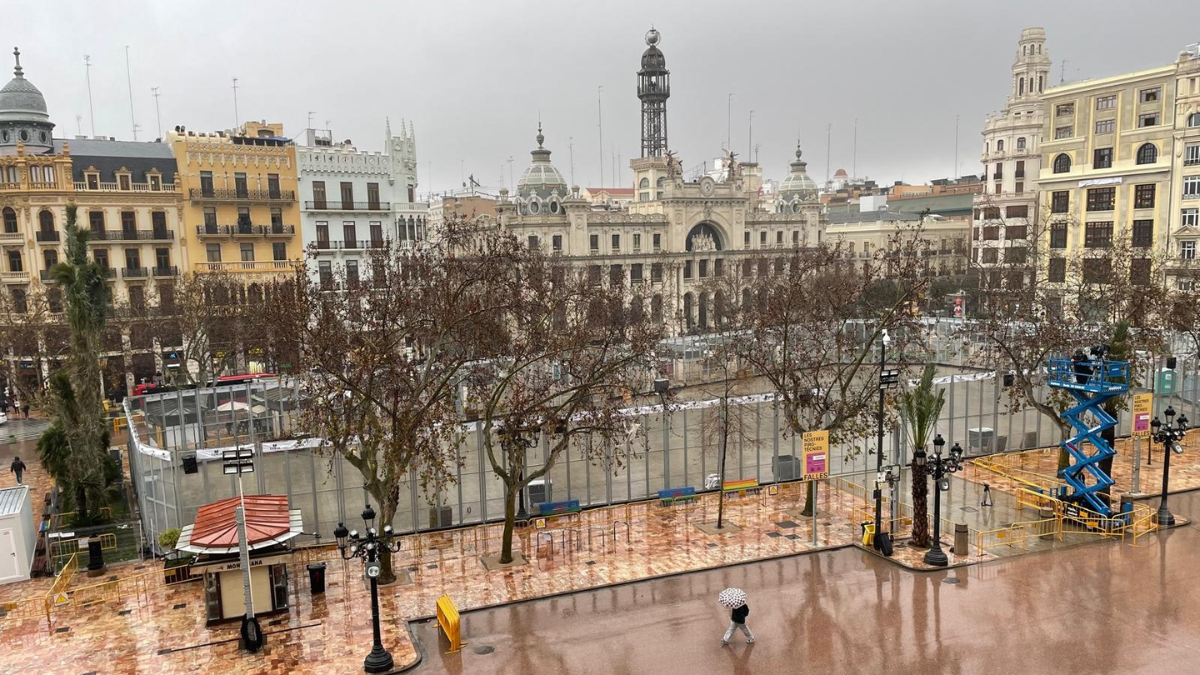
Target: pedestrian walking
column 987, row 495
column 734, row 599
column 18, row 467
column 25, row 411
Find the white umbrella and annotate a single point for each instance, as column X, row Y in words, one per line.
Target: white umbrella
column 731, row 598
column 231, row 406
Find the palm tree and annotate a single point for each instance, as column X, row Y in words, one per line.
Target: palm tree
column 922, row 406
column 78, row 437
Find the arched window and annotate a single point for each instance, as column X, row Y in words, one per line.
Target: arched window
column 534, row 207
column 1000, row 146
column 645, row 182
column 1040, row 83
column 46, row 220
column 1021, row 143
column 1147, row 154
column 662, row 182
column 1021, row 86
column 10, row 220
column 553, row 207
column 1062, row 163
column 1194, row 120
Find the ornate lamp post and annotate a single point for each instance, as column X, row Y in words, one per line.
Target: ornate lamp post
column 1169, row 435
column 939, row 467
column 529, row 442
column 368, row 548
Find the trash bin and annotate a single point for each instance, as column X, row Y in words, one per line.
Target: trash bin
column 316, row 577
column 962, row 544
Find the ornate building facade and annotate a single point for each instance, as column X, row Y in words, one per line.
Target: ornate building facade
column 674, row 234
column 352, row 201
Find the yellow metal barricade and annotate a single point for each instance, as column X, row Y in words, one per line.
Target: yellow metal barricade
column 1013, row 536
column 58, row 594
column 448, row 620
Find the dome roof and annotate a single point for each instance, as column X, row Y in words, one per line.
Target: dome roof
column 541, row 177
column 20, row 101
column 652, row 58
column 840, row 173
column 798, row 183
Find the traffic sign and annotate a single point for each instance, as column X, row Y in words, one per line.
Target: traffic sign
column 61, row 599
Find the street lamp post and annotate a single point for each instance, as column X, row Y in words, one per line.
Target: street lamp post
column 1169, row 434
column 235, row 463
column 939, row 467
column 528, row 443
column 886, row 379
column 369, row 548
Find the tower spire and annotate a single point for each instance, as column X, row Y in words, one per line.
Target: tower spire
column 654, row 88
column 18, row 71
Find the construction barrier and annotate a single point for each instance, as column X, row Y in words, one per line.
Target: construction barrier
column 1012, row 536
column 63, row 548
column 448, row 621
column 58, row 593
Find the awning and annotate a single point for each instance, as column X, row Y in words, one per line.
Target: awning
column 268, row 522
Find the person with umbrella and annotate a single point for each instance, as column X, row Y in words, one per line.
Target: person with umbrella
column 734, row 599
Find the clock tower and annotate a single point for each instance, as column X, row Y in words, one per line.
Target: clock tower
column 654, row 88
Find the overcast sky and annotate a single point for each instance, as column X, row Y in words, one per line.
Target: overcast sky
column 473, row 76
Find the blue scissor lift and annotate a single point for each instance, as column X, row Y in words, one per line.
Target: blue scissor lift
column 1092, row 383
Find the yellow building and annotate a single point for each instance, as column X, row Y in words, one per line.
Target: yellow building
column 1121, row 167
column 240, row 211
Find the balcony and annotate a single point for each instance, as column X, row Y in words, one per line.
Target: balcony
column 246, row 266
column 134, row 273
column 170, row 271
column 48, row 235
column 235, row 195
column 132, row 235
column 82, row 186
column 245, row 230
column 15, row 237
column 18, row 277
column 279, row 230
column 109, row 272
column 46, row 275
column 347, row 206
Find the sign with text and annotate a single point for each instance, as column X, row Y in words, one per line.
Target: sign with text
column 1143, row 406
column 815, row 445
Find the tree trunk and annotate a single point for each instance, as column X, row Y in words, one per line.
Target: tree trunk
column 81, row 504
column 721, row 471
column 810, row 497
column 920, row 495
column 1106, row 465
column 510, row 522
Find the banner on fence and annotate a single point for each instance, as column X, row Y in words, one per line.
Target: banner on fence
column 816, row 455
column 1143, row 405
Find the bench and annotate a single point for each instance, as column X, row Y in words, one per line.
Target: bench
column 680, row 494
column 745, row 485
column 558, row 508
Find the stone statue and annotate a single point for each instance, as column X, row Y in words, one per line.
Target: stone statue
column 733, row 168
column 674, row 166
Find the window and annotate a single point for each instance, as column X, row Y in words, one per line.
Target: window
column 1019, row 187
column 206, row 184
column 133, row 259
column 158, row 224
column 349, row 234
column 352, row 273
column 1096, row 270
column 1016, row 255
column 46, row 221
column 1105, row 126
column 279, row 251
column 991, row 255
column 1063, row 132
column 1058, row 270
column 162, row 258
column 325, row 270
column 795, row 237
column 1143, row 196
column 1064, row 109
column 990, row 233
column 376, row 234
column 637, row 243
column 1062, row 163
column 137, row 298
column 1143, row 233
column 1187, row 250
column 1101, row 199
column 1021, row 143
column 319, row 194
column 166, row 297
column 1013, row 232
column 556, row 242
column 322, row 234
column 1193, row 120
column 645, row 183
column 1149, row 95
column 1189, row 217
column 1139, row 271
column 687, row 269
column 719, row 267
column 999, row 171
column 1021, row 211
column 10, row 220
column 1020, row 173
column 616, row 242
column 20, row 300
column 1147, row 154
column 533, row 242
column 1191, row 154
column 155, row 182
column 656, row 272
column 1098, row 235
column 1148, row 120
column 746, row 240
column 54, row 298
column 999, row 148
column 594, row 242
column 210, row 216
column 657, row 240
column 128, row 224
column 273, row 185
column 703, row 269
column 762, row 239
column 50, row 257
column 373, row 196
column 247, row 252
column 239, row 184
column 213, row 252
column 1106, row 102
column 101, row 257
column 1191, row 187
column 635, row 273
column 1102, row 158
column 347, row 196
column 276, row 217
column 14, row 262
column 1060, row 201
column 1058, row 235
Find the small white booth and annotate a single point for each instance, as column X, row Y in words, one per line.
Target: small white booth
column 18, row 535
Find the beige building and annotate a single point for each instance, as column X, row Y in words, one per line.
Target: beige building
column 864, row 234
column 1184, row 219
column 1006, row 213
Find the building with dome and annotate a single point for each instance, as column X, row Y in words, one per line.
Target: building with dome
column 672, row 233
column 125, row 193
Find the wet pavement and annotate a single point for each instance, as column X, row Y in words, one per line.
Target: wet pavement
column 1103, row 608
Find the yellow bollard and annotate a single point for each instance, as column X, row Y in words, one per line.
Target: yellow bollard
column 448, row 620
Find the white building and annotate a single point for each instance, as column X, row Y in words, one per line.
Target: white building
column 353, row 201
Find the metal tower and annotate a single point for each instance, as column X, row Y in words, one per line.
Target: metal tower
column 654, row 88
column 1092, row 382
